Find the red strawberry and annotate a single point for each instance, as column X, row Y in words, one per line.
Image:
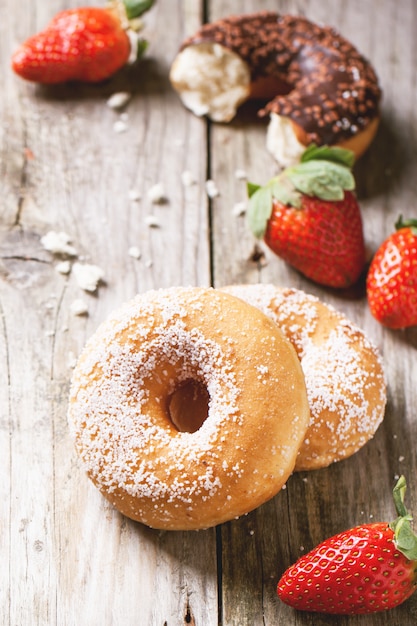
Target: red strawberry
column 370, row 568
column 86, row 44
column 392, row 278
column 310, row 218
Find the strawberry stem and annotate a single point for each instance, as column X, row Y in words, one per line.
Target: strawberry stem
column 142, row 46
column 404, row 537
column 323, row 172
column 410, row 223
column 399, row 496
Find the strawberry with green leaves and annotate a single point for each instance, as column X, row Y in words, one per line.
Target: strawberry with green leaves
column 309, row 216
column 86, row 44
column 366, row 569
column 391, row 283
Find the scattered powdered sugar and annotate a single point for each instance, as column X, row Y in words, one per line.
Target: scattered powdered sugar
column 87, row 276
column 344, row 390
column 120, row 396
column 343, row 371
column 113, row 413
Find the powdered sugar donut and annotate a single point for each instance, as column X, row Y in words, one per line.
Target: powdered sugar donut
column 343, row 372
column 188, row 407
column 319, row 88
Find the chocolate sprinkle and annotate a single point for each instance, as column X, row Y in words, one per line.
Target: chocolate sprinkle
column 332, row 90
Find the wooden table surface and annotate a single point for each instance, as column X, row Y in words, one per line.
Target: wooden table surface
column 71, row 164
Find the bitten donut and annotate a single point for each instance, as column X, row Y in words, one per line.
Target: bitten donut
column 188, row 407
column 343, row 372
column 321, row 89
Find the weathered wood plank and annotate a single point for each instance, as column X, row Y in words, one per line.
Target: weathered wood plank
column 68, row 557
column 256, row 549
column 72, row 559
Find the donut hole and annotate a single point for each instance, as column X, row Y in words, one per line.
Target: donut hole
column 188, row 406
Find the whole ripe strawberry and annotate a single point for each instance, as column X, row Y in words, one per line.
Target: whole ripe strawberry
column 309, row 216
column 366, row 569
column 87, row 44
column 391, row 284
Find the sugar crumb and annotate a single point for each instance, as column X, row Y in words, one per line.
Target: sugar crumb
column 119, row 99
column 79, row 307
column 58, row 243
column 87, row 276
column 134, row 252
column 153, row 221
column 239, row 209
column 241, row 174
column 134, row 195
column 120, row 126
column 211, row 189
column 188, row 179
column 63, row 268
column 156, row 194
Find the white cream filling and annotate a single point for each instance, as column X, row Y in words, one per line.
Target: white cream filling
column 282, row 142
column 211, row 80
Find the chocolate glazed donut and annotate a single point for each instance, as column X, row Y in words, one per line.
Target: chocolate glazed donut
column 320, row 88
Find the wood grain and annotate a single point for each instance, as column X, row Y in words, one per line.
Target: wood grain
column 67, row 557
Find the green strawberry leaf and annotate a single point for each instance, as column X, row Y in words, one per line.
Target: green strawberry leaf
column 324, row 172
column 404, row 537
column 324, row 179
column 261, row 198
column 251, row 188
column 329, row 153
column 135, row 8
column 285, row 192
column 259, row 210
column 398, row 494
